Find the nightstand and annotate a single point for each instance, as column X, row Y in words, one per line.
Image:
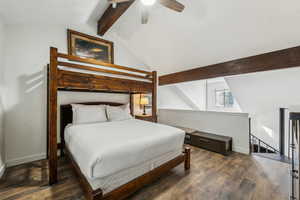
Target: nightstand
column 145, row 117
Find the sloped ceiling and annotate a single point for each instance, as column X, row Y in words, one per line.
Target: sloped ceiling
column 209, row 32
column 51, row 11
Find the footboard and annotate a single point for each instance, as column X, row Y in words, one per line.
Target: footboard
column 129, row 188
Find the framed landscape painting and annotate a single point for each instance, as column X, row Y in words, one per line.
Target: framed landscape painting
column 90, row 47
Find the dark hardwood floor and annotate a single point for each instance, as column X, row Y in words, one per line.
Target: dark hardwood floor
column 212, row 176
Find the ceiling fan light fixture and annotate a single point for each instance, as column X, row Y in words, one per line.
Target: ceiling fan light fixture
column 148, row 2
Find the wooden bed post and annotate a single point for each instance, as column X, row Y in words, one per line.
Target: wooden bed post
column 154, row 95
column 187, row 158
column 52, row 101
column 48, row 108
column 131, row 103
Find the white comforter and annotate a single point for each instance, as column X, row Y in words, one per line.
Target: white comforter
column 101, row 149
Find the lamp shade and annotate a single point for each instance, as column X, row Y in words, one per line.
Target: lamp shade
column 144, row 101
column 148, row 2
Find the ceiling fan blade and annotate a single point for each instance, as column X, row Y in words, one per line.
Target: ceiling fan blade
column 145, row 15
column 117, row 1
column 172, row 4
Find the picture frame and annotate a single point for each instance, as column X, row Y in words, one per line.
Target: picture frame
column 90, row 47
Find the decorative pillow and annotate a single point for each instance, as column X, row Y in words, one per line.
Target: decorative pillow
column 83, row 114
column 118, row 113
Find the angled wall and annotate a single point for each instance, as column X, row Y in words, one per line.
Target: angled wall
column 168, row 98
column 194, row 92
column 262, row 94
column 188, row 96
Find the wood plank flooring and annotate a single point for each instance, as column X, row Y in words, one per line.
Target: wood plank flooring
column 212, row 177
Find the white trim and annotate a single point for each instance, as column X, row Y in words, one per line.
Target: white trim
column 25, row 159
column 2, row 169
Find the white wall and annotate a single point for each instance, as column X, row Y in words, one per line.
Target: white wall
column 212, row 86
column 167, row 97
column 194, row 95
column 188, row 96
column 1, row 96
column 195, row 92
column 262, row 94
column 26, row 56
column 234, row 125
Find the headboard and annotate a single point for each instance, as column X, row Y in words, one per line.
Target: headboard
column 66, row 117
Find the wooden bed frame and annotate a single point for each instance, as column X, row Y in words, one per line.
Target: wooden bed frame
column 65, row 80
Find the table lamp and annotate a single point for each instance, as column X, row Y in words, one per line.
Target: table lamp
column 144, row 101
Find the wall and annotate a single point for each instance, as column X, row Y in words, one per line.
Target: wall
column 262, row 94
column 212, row 86
column 26, row 57
column 167, row 97
column 229, row 124
column 194, row 93
column 187, row 96
column 1, row 97
column 185, row 105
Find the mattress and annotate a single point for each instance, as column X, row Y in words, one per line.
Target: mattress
column 103, row 149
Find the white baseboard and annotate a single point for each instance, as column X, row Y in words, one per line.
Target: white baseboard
column 2, row 169
column 25, row 159
column 241, row 150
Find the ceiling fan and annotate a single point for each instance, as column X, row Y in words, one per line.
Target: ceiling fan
column 171, row 4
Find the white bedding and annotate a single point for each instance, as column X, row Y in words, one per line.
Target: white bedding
column 111, row 182
column 102, row 149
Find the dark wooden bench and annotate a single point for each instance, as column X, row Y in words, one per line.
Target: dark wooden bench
column 216, row 143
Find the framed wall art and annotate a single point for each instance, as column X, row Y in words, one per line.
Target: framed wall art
column 90, row 47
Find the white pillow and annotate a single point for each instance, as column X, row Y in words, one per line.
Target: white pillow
column 118, row 113
column 83, row 114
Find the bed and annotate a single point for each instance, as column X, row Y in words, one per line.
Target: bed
column 111, row 160
column 110, row 155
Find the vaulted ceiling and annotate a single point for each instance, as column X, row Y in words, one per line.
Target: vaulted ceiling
column 51, row 11
column 207, row 32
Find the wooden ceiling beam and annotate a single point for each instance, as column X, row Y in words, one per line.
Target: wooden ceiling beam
column 281, row 59
column 111, row 15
